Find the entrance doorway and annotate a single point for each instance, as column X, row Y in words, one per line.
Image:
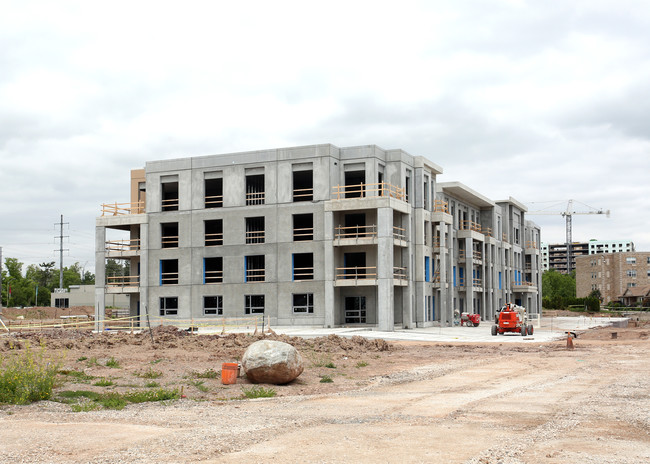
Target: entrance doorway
column 355, row 309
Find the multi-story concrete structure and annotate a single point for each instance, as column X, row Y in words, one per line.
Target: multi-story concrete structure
column 316, row 235
column 554, row 255
column 612, row 274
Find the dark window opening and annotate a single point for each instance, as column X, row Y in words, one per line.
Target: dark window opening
column 255, row 189
column 303, row 186
column 355, row 184
column 169, row 306
column 303, row 266
column 354, row 265
column 169, row 235
column 170, row 196
column 213, row 193
column 61, row 302
column 168, row 271
column 213, row 270
column 255, row 268
column 303, row 227
column 254, row 304
column 255, row 230
column 213, row 305
column 355, row 310
column 303, row 303
column 214, row 232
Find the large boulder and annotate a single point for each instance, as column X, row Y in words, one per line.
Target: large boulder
column 269, row 361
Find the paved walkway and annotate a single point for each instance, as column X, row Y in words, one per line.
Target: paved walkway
column 551, row 328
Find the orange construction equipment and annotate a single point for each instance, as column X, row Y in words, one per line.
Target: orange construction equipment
column 512, row 318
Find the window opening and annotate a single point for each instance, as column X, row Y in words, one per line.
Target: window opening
column 61, row 302
column 168, row 271
column 213, row 270
column 355, row 309
column 213, row 193
column 213, row 305
column 255, row 230
column 254, row 268
column 255, row 189
column 355, row 266
column 303, row 185
column 355, row 184
column 168, row 306
column 169, row 235
column 169, row 196
column 303, row 303
column 303, row 266
column 303, row 227
column 214, row 232
column 254, row 304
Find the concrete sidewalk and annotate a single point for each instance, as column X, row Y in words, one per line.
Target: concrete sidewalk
column 552, row 328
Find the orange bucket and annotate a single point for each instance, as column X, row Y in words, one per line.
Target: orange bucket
column 229, row 373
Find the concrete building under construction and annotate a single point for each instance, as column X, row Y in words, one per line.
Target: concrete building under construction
column 315, row 235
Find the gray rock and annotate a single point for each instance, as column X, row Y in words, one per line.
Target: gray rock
column 268, row 361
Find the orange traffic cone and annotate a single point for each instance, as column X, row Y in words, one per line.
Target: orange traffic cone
column 569, row 341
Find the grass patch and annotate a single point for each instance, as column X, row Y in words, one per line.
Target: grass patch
column 83, row 358
column 113, row 363
column 149, row 374
column 199, row 384
column 156, row 361
column 104, row 382
column 207, row 374
column 152, row 384
column 114, row 400
column 258, row 392
column 85, row 407
column 326, row 379
column 27, row 376
column 78, row 376
column 330, row 365
column 319, row 359
column 361, row 364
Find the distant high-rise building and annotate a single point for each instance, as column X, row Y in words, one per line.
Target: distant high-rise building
column 554, row 255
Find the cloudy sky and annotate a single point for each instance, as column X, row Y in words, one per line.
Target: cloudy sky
column 544, row 101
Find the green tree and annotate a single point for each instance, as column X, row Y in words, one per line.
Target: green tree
column 558, row 290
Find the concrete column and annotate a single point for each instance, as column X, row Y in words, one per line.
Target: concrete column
column 385, row 262
column 331, row 305
column 100, row 277
column 443, row 276
column 449, row 299
column 144, row 275
column 469, row 276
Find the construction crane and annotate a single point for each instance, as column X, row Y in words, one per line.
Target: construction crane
column 568, row 215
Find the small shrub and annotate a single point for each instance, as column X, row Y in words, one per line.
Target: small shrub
column 150, row 374
column 78, row 376
column 361, row 364
column 83, row 358
column 113, row 363
column 152, row 395
column 319, row 359
column 258, row 392
column 112, row 401
column 26, row 377
column 199, row 385
column 85, row 407
column 330, row 365
column 104, row 382
column 156, row 361
column 152, row 384
column 207, row 374
column 326, row 379
column 92, row 362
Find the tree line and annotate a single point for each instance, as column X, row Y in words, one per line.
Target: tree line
column 559, row 292
column 45, row 276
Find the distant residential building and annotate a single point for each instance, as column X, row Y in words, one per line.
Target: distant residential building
column 554, row 256
column 84, row 295
column 612, row 273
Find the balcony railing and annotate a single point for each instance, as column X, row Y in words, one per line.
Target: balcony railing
column 214, row 201
column 504, row 237
column 470, row 225
column 303, row 234
column 436, row 277
column 303, row 273
column 487, row 231
column 356, row 273
column 169, row 204
column 255, row 275
column 358, row 232
column 213, row 277
column 305, row 194
column 400, row 273
column 255, row 198
column 255, row 236
column 214, row 239
column 169, row 278
column 120, row 209
column 122, row 281
column 169, row 241
column 477, row 282
column 121, row 246
column 380, row 189
column 476, row 255
column 531, row 244
column 523, row 283
column 440, row 206
column 399, row 233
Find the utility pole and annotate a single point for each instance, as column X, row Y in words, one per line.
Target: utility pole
column 61, row 250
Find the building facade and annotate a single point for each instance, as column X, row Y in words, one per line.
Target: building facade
column 612, row 274
column 554, row 255
column 315, row 235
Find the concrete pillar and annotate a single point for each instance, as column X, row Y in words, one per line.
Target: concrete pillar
column 331, row 305
column 100, row 277
column 385, row 262
column 144, row 275
column 449, row 271
column 442, row 312
column 469, row 276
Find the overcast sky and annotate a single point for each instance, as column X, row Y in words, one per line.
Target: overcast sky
column 544, row 101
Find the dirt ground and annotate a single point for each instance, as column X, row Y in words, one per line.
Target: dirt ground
column 387, row 402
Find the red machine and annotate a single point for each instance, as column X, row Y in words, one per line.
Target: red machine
column 512, row 318
column 470, row 320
